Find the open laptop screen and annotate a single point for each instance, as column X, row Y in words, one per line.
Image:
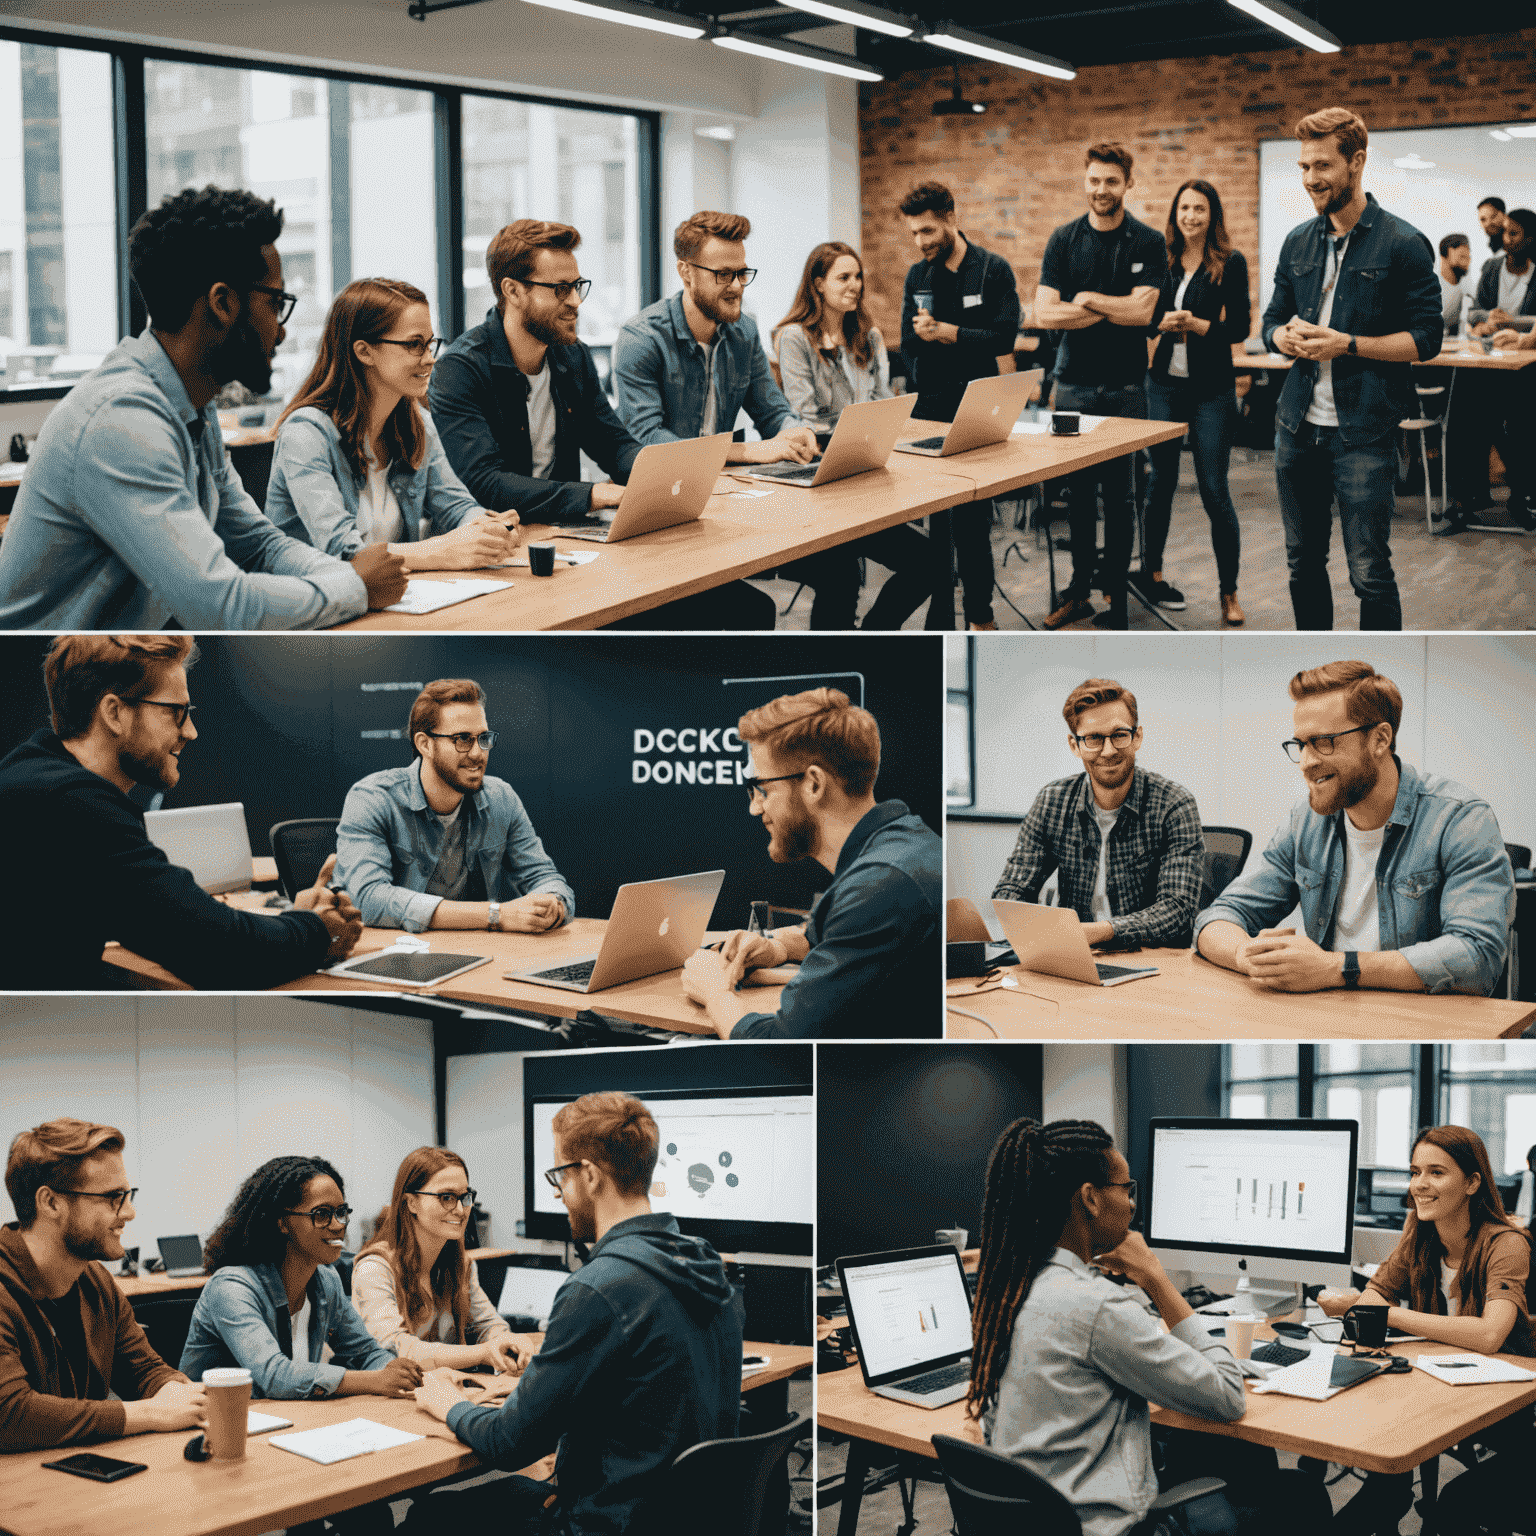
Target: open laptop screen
column 181, row 1252
column 909, row 1309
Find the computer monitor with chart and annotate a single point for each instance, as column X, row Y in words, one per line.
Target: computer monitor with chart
column 1278, row 1194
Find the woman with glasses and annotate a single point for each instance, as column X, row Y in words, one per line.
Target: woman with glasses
column 413, row 1285
column 358, row 462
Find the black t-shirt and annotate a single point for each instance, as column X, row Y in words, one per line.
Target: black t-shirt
column 1081, row 259
column 75, row 1367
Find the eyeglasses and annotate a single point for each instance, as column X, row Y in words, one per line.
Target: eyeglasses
column 116, row 1196
column 754, row 784
column 562, row 291
column 326, row 1215
column 183, row 711
column 1128, row 1185
column 1322, row 745
column 282, row 301
column 415, row 345
column 464, row 742
column 553, row 1174
column 448, row 1198
column 1092, row 744
column 725, row 276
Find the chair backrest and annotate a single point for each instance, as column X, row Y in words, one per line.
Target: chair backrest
column 300, row 848
column 723, row 1485
column 166, row 1321
column 1226, row 851
column 1519, row 855
column 993, row 1495
column 963, row 924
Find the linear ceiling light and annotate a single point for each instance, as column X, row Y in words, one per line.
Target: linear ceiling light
column 785, row 51
column 631, row 13
column 1285, row 18
column 978, row 45
column 1521, row 130
column 856, row 14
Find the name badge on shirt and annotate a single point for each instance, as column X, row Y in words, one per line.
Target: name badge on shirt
column 970, row 301
column 1136, row 266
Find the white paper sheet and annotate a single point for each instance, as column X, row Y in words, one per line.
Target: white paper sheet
column 260, row 1423
column 1470, row 1370
column 423, row 596
column 1085, row 423
column 570, row 556
column 1307, row 1378
column 341, row 1442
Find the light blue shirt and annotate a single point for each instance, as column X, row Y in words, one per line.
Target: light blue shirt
column 1445, row 889
column 128, row 520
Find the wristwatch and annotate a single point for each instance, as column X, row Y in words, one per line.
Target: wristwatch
column 1352, row 341
column 1351, row 970
column 493, row 915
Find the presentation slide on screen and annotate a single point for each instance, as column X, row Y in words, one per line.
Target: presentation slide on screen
column 730, row 1159
column 910, row 1312
column 1253, row 1188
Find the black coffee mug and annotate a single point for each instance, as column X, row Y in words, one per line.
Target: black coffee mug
column 1065, row 423
column 1366, row 1326
column 541, row 559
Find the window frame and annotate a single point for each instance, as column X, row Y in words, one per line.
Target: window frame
column 967, row 696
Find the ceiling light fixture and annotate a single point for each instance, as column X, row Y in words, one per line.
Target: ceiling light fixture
column 1287, row 19
column 785, row 51
column 631, row 13
column 1521, row 130
column 978, row 45
column 856, row 14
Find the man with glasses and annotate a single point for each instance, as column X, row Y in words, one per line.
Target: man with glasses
column 68, row 1336
column 84, row 869
column 1401, row 876
column 869, row 951
column 440, row 843
column 130, row 515
column 1125, row 843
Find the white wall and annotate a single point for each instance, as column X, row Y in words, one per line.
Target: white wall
column 207, row 1089
column 1085, row 1082
column 485, row 1127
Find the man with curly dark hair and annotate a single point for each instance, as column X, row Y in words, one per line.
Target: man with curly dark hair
column 131, row 515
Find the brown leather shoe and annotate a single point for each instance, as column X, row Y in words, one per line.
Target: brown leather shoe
column 1231, row 609
column 1072, row 611
column 990, row 624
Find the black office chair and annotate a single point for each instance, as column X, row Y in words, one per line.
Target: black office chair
column 1226, row 851
column 726, row 1485
column 166, row 1321
column 300, row 848
column 1519, row 855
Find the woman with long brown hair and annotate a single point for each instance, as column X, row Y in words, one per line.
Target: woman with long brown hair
column 357, row 462
column 416, row 1290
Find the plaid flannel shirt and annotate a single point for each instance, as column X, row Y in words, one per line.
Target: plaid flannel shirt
column 1153, row 868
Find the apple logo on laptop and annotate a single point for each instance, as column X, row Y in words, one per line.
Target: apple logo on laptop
column 666, row 923
column 996, row 409
column 677, row 486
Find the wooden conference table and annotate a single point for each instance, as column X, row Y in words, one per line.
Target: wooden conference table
column 1192, row 999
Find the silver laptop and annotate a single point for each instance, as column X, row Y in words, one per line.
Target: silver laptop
column 987, row 414
column 669, row 483
column 1050, row 939
column 911, row 1317
column 655, row 925
column 209, row 840
column 862, row 440
column 181, row 1256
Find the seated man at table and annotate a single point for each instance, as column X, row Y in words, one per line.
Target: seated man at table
column 1401, row 876
column 641, row 1356
column 869, row 952
column 439, row 843
column 130, row 515
column 1126, row 842
column 84, row 869
column 68, row 1337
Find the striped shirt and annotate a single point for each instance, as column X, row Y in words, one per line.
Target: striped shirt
column 1153, row 864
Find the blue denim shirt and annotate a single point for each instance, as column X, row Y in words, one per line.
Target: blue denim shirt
column 390, row 840
column 313, row 495
column 127, row 520
column 241, row 1318
column 1388, row 283
column 658, row 373
column 1445, row 890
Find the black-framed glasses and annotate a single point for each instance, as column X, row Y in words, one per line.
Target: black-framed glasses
column 282, row 301
column 1130, row 1186
column 562, row 291
column 326, row 1215
column 754, row 784
column 553, row 1174
column 448, row 1198
column 464, row 742
column 1322, row 745
column 725, row 276
column 417, row 346
column 116, row 1196
column 1093, row 743
column 183, row 712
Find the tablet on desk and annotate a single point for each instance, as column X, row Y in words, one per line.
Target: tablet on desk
column 419, row 968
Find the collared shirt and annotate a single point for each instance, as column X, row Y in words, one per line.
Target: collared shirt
column 130, row 516
column 1083, row 1361
column 873, row 963
column 1445, row 889
column 390, row 842
column 1154, row 857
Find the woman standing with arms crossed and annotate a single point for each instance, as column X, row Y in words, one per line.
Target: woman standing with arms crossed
column 1201, row 312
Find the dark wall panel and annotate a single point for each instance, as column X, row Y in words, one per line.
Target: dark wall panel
column 1167, row 1080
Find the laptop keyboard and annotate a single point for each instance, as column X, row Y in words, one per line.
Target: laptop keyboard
column 1110, row 972
column 787, row 471
column 927, row 442
column 1278, row 1354
column 581, row 971
column 936, row 1381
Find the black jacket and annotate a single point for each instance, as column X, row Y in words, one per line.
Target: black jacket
column 1488, row 289
column 988, row 329
column 1210, row 356
column 479, row 400
column 84, row 871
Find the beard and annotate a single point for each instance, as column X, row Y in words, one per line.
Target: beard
column 157, row 770
column 459, row 774
column 792, row 836
column 1347, row 788
column 552, row 332
column 582, row 1222
column 91, row 1245
column 242, row 357
column 722, row 310
column 942, row 251
column 1107, row 213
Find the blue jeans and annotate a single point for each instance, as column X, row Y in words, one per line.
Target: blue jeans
column 1312, row 468
column 1114, row 480
column 1211, row 425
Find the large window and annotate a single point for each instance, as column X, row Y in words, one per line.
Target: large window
column 1492, row 1088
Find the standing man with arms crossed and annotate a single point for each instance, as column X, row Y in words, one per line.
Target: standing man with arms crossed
column 1357, row 302
column 1099, row 283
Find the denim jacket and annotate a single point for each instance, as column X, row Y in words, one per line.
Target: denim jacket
column 390, row 840
column 1388, row 283
column 241, row 1318
column 313, row 494
column 1445, row 890
column 658, row 372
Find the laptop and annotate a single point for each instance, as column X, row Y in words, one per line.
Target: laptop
column 865, row 434
column 987, row 413
column 669, row 483
column 209, row 840
column 181, row 1256
column 1050, row 939
column 655, row 925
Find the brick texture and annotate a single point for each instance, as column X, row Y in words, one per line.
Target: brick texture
column 1017, row 172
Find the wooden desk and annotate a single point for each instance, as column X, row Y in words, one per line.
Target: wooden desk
column 1192, row 999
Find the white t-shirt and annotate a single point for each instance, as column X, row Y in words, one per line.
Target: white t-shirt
column 299, row 1325
column 1357, row 924
column 1447, row 1286
column 707, row 426
column 541, row 422
column 378, row 513
column 1178, row 363
column 1322, row 412
column 1512, row 288
column 1106, row 820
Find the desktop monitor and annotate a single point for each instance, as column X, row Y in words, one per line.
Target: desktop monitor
column 1279, row 1194
column 209, row 840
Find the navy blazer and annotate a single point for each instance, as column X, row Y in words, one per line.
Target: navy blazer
column 1209, row 356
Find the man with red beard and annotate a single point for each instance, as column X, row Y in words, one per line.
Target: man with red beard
column 869, row 952
column 1401, row 876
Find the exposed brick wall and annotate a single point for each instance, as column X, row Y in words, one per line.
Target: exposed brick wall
column 1017, row 172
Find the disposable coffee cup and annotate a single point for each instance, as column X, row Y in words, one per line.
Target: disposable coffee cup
column 228, row 1390
column 1240, row 1336
column 1065, row 423
column 955, row 1235
column 541, row 559
column 924, row 299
